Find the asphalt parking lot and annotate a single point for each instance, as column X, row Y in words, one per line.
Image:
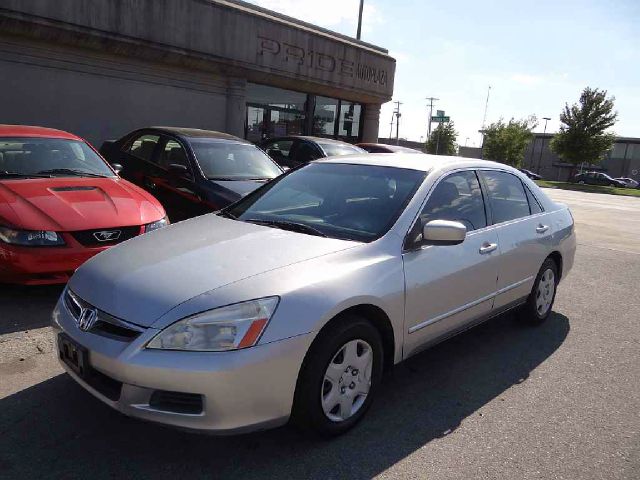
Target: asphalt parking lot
column 502, row 401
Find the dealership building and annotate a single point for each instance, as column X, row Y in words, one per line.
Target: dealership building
column 101, row 68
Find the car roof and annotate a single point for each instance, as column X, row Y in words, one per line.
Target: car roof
column 310, row 138
column 32, row 131
column 391, row 148
column 414, row 161
column 199, row 133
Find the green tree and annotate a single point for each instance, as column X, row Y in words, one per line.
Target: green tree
column 583, row 136
column 443, row 140
column 507, row 142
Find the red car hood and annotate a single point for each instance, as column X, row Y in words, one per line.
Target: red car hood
column 68, row 204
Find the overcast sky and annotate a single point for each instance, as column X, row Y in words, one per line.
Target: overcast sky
column 535, row 55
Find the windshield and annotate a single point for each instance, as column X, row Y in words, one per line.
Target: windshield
column 233, row 161
column 337, row 149
column 353, row 202
column 34, row 157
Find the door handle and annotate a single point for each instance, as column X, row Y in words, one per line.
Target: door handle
column 542, row 228
column 488, row 247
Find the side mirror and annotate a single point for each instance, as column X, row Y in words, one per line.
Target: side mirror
column 443, row 232
column 116, row 167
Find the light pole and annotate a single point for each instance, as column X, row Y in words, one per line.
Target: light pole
column 360, row 19
column 546, row 119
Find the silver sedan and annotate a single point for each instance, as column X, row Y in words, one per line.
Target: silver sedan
column 291, row 303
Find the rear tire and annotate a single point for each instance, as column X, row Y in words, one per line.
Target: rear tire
column 540, row 301
column 337, row 383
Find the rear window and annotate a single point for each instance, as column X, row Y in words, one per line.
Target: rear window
column 336, row 149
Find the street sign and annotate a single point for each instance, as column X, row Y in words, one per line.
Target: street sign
column 439, row 113
column 440, row 119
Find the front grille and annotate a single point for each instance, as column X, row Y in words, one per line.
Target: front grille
column 102, row 237
column 106, row 325
column 177, row 402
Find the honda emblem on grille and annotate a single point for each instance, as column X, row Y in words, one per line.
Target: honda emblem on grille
column 107, row 235
column 87, row 318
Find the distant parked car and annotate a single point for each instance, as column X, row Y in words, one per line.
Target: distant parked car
column 191, row 171
column 384, row 148
column 598, row 178
column 61, row 204
column 530, row 174
column 629, row 182
column 294, row 151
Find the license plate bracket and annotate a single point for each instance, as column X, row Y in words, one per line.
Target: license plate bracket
column 74, row 355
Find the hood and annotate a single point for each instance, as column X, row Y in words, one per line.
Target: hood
column 234, row 190
column 143, row 278
column 69, row 203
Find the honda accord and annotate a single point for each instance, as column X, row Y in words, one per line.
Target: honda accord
column 292, row 302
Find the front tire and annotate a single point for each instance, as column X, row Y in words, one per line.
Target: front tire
column 540, row 301
column 339, row 377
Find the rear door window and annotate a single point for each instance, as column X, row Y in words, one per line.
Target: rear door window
column 143, row 147
column 534, row 206
column 506, row 195
column 279, row 150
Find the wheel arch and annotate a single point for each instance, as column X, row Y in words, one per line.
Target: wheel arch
column 378, row 318
column 556, row 256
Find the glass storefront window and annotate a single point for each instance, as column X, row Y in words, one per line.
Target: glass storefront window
column 276, row 112
column 324, row 116
column 275, row 97
column 349, row 121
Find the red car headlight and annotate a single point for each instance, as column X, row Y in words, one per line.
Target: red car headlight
column 31, row 238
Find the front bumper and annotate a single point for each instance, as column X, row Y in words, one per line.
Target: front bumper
column 42, row 265
column 242, row 390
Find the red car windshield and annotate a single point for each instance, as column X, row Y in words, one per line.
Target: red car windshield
column 47, row 157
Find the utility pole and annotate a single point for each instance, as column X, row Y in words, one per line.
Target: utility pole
column 431, row 100
column 484, row 118
column 360, row 19
column 397, row 114
column 546, row 119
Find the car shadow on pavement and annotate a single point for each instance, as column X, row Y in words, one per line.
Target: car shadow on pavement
column 22, row 307
column 55, row 429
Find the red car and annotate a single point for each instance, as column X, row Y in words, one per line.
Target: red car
column 61, row 203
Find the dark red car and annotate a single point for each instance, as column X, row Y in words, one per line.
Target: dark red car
column 61, row 203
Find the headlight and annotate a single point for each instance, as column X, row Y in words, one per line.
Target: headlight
column 31, row 238
column 150, row 227
column 225, row 328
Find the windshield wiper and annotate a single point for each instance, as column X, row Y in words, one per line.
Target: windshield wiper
column 72, row 171
column 224, row 213
column 23, row 175
column 285, row 225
